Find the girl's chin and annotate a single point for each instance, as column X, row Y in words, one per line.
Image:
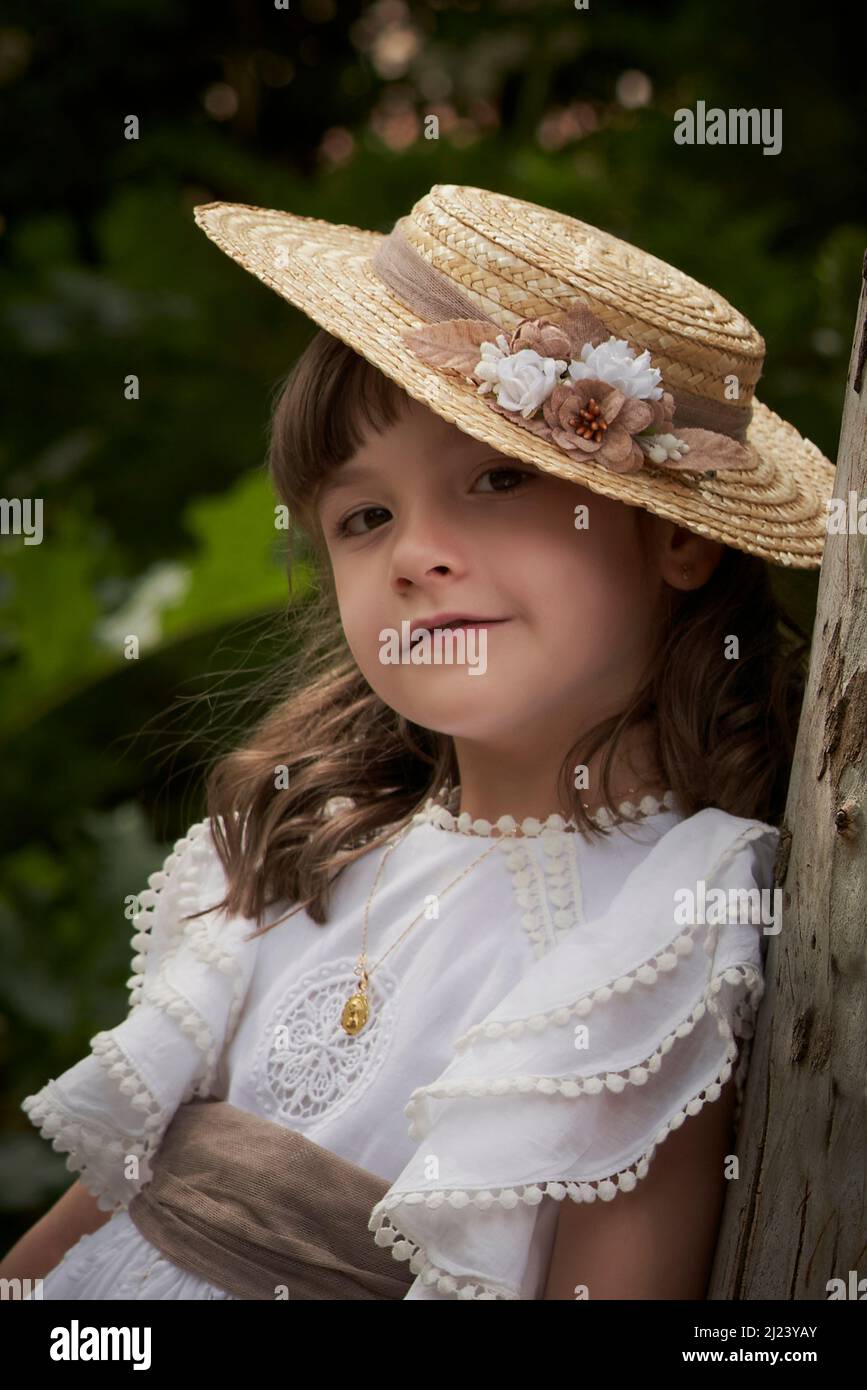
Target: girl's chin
column 462, row 715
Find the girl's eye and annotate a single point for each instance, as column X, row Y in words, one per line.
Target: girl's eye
column 521, row 474
column 342, row 528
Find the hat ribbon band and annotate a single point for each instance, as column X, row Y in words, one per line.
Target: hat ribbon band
column 432, row 296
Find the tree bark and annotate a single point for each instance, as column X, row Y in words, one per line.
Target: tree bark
column 796, row 1219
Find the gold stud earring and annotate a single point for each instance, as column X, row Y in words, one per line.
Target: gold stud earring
column 685, row 571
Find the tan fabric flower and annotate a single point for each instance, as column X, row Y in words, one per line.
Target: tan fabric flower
column 663, row 413
column 543, row 336
column 594, row 418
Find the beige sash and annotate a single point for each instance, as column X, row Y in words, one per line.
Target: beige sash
column 261, row 1211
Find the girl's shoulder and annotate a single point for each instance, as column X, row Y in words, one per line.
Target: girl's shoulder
column 717, row 837
column 190, row 976
column 709, row 877
column 707, row 882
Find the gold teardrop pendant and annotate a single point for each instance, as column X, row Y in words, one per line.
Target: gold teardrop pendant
column 356, row 1012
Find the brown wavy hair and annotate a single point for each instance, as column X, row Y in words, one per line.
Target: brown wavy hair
column 723, row 731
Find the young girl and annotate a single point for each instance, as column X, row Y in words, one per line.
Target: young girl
column 451, row 994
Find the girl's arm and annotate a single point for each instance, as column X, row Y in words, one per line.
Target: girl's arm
column 42, row 1247
column 658, row 1240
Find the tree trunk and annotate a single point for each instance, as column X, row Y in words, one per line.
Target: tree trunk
column 795, row 1220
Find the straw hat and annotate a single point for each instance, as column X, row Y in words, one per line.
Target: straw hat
column 562, row 346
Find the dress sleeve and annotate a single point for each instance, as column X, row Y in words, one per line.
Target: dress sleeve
column 570, row 1087
column 110, row 1110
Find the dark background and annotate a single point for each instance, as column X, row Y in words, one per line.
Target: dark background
column 158, row 515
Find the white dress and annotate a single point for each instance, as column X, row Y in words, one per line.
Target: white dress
column 541, row 1028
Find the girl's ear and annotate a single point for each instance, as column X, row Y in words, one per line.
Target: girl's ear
column 690, row 560
column 685, row 559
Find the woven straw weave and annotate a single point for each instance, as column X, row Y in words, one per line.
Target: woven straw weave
column 515, row 259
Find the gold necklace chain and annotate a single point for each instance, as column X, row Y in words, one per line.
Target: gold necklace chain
column 356, row 1010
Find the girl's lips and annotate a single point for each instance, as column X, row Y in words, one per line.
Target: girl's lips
column 481, row 622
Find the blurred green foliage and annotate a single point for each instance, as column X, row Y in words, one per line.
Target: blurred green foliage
column 158, row 514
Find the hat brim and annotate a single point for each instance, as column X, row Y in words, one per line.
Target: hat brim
column 777, row 510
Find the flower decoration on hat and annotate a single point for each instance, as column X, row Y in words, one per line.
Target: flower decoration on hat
column 577, row 386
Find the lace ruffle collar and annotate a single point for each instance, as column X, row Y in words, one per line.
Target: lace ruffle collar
column 436, row 813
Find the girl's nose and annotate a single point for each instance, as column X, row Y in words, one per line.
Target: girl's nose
column 428, row 541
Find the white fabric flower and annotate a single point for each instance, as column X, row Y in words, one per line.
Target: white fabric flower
column 661, row 447
column 520, row 380
column 615, row 362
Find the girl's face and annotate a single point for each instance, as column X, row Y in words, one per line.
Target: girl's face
column 436, row 521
